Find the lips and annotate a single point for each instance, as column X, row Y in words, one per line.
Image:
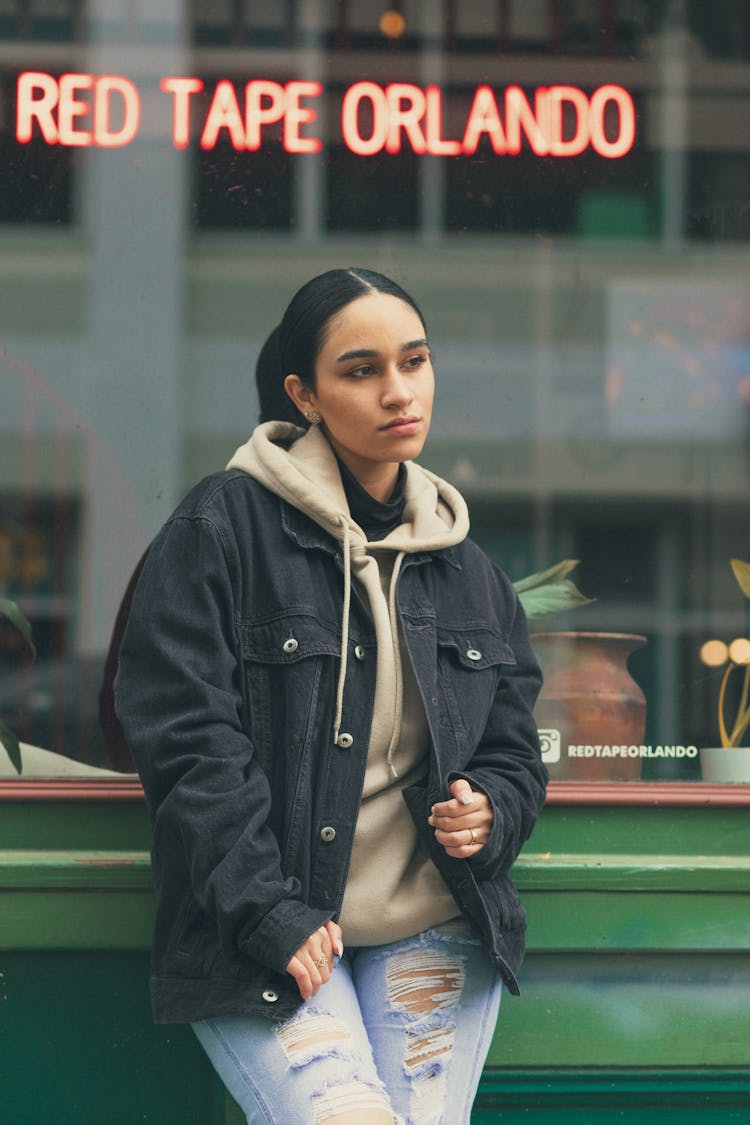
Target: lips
column 406, row 424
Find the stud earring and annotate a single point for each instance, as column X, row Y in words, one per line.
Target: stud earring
column 313, row 417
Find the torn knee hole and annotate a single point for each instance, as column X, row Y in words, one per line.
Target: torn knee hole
column 352, row 1102
column 426, row 1046
column 422, row 981
column 313, row 1034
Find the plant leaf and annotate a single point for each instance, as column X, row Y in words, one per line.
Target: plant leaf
column 10, row 610
column 545, row 577
column 549, row 591
column 11, row 744
column 742, row 574
column 543, row 600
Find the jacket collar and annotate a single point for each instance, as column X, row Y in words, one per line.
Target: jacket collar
column 309, row 535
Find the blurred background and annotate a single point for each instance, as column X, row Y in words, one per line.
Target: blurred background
column 589, row 315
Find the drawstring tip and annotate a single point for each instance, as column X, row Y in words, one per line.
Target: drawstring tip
column 394, row 771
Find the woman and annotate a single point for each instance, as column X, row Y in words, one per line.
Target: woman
column 327, row 689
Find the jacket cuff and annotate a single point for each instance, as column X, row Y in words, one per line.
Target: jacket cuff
column 283, row 930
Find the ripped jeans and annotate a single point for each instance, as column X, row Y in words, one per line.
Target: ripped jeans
column 398, row 1034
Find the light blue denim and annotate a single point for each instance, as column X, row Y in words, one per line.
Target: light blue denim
column 404, row 1027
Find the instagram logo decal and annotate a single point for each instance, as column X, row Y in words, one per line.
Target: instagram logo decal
column 549, row 740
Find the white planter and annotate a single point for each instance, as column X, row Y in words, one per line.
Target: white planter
column 722, row 764
column 45, row 763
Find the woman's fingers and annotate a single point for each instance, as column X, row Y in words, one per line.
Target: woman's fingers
column 335, row 937
column 462, row 791
column 463, row 823
column 462, row 843
column 313, row 963
column 302, row 977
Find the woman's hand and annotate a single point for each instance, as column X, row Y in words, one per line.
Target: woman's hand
column 313, row 962
column 463, row 824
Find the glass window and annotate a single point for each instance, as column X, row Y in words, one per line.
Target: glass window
column 564, row 188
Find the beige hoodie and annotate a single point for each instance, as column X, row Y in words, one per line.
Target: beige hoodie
column 393, row 889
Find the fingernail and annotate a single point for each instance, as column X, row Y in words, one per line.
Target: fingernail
column 340, row 948
column 466, row 798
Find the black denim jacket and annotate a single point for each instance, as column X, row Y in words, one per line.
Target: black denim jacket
column 225, row 691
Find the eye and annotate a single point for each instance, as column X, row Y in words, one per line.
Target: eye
column 415, row 361
column 361, row 372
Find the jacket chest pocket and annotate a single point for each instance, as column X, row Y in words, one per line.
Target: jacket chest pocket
column 289, row 666
column 470, row 664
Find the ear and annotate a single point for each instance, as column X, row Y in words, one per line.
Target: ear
column 302, row 396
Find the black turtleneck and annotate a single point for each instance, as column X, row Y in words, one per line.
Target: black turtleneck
column 375, row 518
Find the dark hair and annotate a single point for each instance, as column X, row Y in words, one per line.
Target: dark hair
column 295, row 344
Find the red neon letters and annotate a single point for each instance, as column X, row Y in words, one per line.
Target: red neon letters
column 401, row 112
column 266, row 103
column 77, row 121
column 105, row 110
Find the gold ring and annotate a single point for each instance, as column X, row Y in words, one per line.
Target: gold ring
column 321, row 962
column 473, row 836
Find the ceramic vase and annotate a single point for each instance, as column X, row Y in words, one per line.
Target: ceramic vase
column 589, row 700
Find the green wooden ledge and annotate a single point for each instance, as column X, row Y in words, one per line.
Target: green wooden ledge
column 62, row 869
column 95, row 899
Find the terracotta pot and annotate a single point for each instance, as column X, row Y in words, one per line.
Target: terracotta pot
column 589, row 700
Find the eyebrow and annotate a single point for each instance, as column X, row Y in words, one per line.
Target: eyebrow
column 370, row 353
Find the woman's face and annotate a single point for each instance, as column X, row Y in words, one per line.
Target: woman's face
column 374, row 386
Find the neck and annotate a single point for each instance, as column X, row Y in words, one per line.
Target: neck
column 381, row 485
column 378, row 479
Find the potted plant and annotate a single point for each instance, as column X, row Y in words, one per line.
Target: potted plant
column 730, row 762
column 12, row 613
column 17, row 756
column 591, row 714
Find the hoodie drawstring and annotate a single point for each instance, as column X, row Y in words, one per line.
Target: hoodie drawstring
column 346, row 548
column 338, row 738
column 399, row 700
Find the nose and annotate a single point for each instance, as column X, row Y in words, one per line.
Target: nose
column 397, row 391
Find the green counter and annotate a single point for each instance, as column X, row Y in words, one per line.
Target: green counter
column 636, row 987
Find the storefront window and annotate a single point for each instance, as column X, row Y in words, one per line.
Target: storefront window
column 564, row 186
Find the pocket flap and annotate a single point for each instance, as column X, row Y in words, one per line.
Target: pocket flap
column 288, row 638
column 476, row 648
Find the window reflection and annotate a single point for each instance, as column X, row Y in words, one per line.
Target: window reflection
column 589, row 315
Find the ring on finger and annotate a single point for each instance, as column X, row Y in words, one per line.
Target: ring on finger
column 473, row 836
column 322, row 961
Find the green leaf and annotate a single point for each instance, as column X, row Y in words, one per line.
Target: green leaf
column 10, row 610
column 544, row 600
column 546, row 577
column 742, row 574
column 550, row 591
column 12, row 746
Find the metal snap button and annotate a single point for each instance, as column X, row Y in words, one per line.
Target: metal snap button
column 270, row 996
column 473, row 654
column 344, row 740
column 291, row 645
column 359, row 652
column 328, row 834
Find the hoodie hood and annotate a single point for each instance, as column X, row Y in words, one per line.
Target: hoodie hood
column 300, row 466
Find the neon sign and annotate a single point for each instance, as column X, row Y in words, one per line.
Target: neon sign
column 105, row 111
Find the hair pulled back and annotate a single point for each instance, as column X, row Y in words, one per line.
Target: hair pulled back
column 293, row 346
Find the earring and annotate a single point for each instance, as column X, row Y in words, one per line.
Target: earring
column 313, row 417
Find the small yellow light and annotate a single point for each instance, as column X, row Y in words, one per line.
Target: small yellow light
column 714, row 653
column 392, row 24
column 739, row 651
